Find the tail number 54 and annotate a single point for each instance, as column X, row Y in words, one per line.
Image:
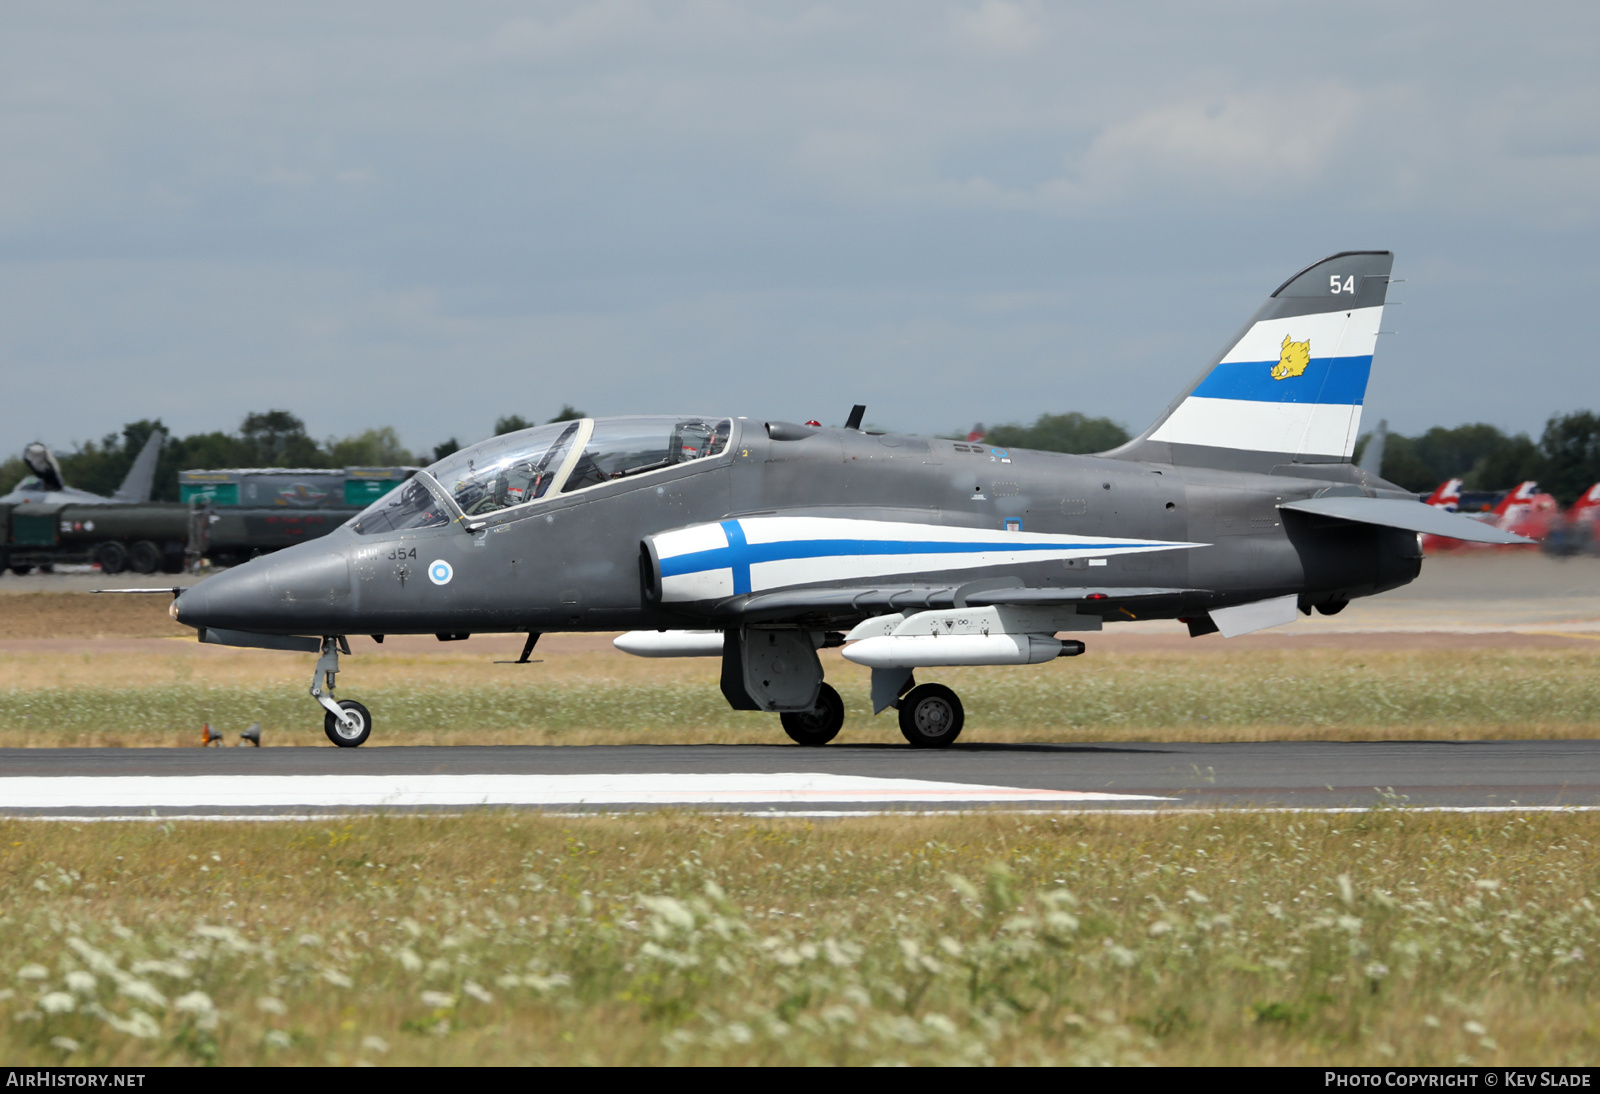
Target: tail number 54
column 1336, row 286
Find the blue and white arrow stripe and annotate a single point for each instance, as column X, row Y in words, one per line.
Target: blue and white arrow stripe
column 1239, row 404
column 759, row 554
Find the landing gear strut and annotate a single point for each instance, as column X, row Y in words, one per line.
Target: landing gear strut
column 347, row 722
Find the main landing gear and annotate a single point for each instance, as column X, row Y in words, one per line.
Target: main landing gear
column 347, row 722
column 818, row 725
column 931, row 716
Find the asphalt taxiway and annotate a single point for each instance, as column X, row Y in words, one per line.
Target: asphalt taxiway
column 1135, row 775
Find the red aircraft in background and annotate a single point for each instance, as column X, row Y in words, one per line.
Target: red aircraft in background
column 1577, row 530
column 1586, row 510
column 1447, row 495
column 1524, row 510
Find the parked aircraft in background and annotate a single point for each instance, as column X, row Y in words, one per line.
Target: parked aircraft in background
column 1237, row 510
column 1528, row 511
column 45, row 486
column 1524, row 511
column 1447, row 495
column 1576, row 532
column 1586, row 510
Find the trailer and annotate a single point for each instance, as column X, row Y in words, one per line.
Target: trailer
column 227, row 515
column 139, row 536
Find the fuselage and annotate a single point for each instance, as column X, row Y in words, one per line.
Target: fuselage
column 573, row 561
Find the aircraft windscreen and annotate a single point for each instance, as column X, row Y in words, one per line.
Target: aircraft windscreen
column 622, row 447
column 505, row 471
column 411, row 505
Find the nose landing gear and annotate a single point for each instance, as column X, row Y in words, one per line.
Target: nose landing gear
column 347, row 722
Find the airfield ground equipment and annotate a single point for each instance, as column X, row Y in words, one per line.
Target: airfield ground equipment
column 1237, row 510
column 228, row 516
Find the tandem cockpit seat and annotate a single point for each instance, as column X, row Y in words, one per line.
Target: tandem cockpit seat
column 522, row 468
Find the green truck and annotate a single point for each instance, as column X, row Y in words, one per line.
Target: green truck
column 226, row 515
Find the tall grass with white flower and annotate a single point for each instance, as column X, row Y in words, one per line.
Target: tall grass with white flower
column 1387, row 936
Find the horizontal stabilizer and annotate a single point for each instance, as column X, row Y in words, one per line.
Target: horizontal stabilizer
column 1412, row 516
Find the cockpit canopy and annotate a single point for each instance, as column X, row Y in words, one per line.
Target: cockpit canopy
column 561, row 458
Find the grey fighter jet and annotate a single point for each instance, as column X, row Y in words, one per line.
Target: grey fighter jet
column 763, row 541
column 46, row 486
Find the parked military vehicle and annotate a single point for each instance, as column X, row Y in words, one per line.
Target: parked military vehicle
column 228, row 516
column 255, row 510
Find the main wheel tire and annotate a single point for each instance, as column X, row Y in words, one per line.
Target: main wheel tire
column 22, row 571
column 931, row 716
column 819, row 725
column 144, row 557
column 112, row 557
column 343, row 737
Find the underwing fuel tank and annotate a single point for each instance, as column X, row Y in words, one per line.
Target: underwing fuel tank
column 929, row 651
column 671, row 643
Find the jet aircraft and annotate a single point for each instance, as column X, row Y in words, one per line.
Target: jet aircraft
column 45, row 486
column 763, row 541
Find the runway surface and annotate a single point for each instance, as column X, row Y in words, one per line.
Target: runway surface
column 1142, row 776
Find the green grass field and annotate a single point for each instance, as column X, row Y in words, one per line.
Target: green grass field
column 498, row 938
column 1327, row 694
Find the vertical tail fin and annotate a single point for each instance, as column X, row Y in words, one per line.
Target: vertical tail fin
column 1517, row 500
column 1587, row 508
column 1289, row 387
column 1372, row 458
column 1447, row 495
column 142, row 475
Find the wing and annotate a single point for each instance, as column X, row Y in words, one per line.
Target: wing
column 838, row 605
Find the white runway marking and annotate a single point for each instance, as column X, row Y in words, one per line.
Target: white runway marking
column 410, row 791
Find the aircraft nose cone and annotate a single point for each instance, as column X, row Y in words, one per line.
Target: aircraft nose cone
column 303, row 590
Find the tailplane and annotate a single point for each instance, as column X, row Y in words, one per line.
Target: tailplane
column 1289, row 387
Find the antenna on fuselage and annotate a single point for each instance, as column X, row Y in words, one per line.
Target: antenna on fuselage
column 857, row 412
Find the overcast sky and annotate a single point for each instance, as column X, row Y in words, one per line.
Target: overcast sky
column 432, row 215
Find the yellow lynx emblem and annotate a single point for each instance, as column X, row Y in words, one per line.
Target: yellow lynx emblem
column 1293, row 360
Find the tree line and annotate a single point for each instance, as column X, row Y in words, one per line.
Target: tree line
column 1565, row 460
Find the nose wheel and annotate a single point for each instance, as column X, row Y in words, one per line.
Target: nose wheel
column 931, row 716
column 352, row 729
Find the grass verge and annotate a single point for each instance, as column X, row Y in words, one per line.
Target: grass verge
column 503, row 938
column 1293, row 694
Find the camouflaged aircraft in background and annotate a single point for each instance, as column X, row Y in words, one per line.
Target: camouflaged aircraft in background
column 762, row 541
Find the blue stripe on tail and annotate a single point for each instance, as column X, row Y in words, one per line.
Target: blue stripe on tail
column 1341, row 380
